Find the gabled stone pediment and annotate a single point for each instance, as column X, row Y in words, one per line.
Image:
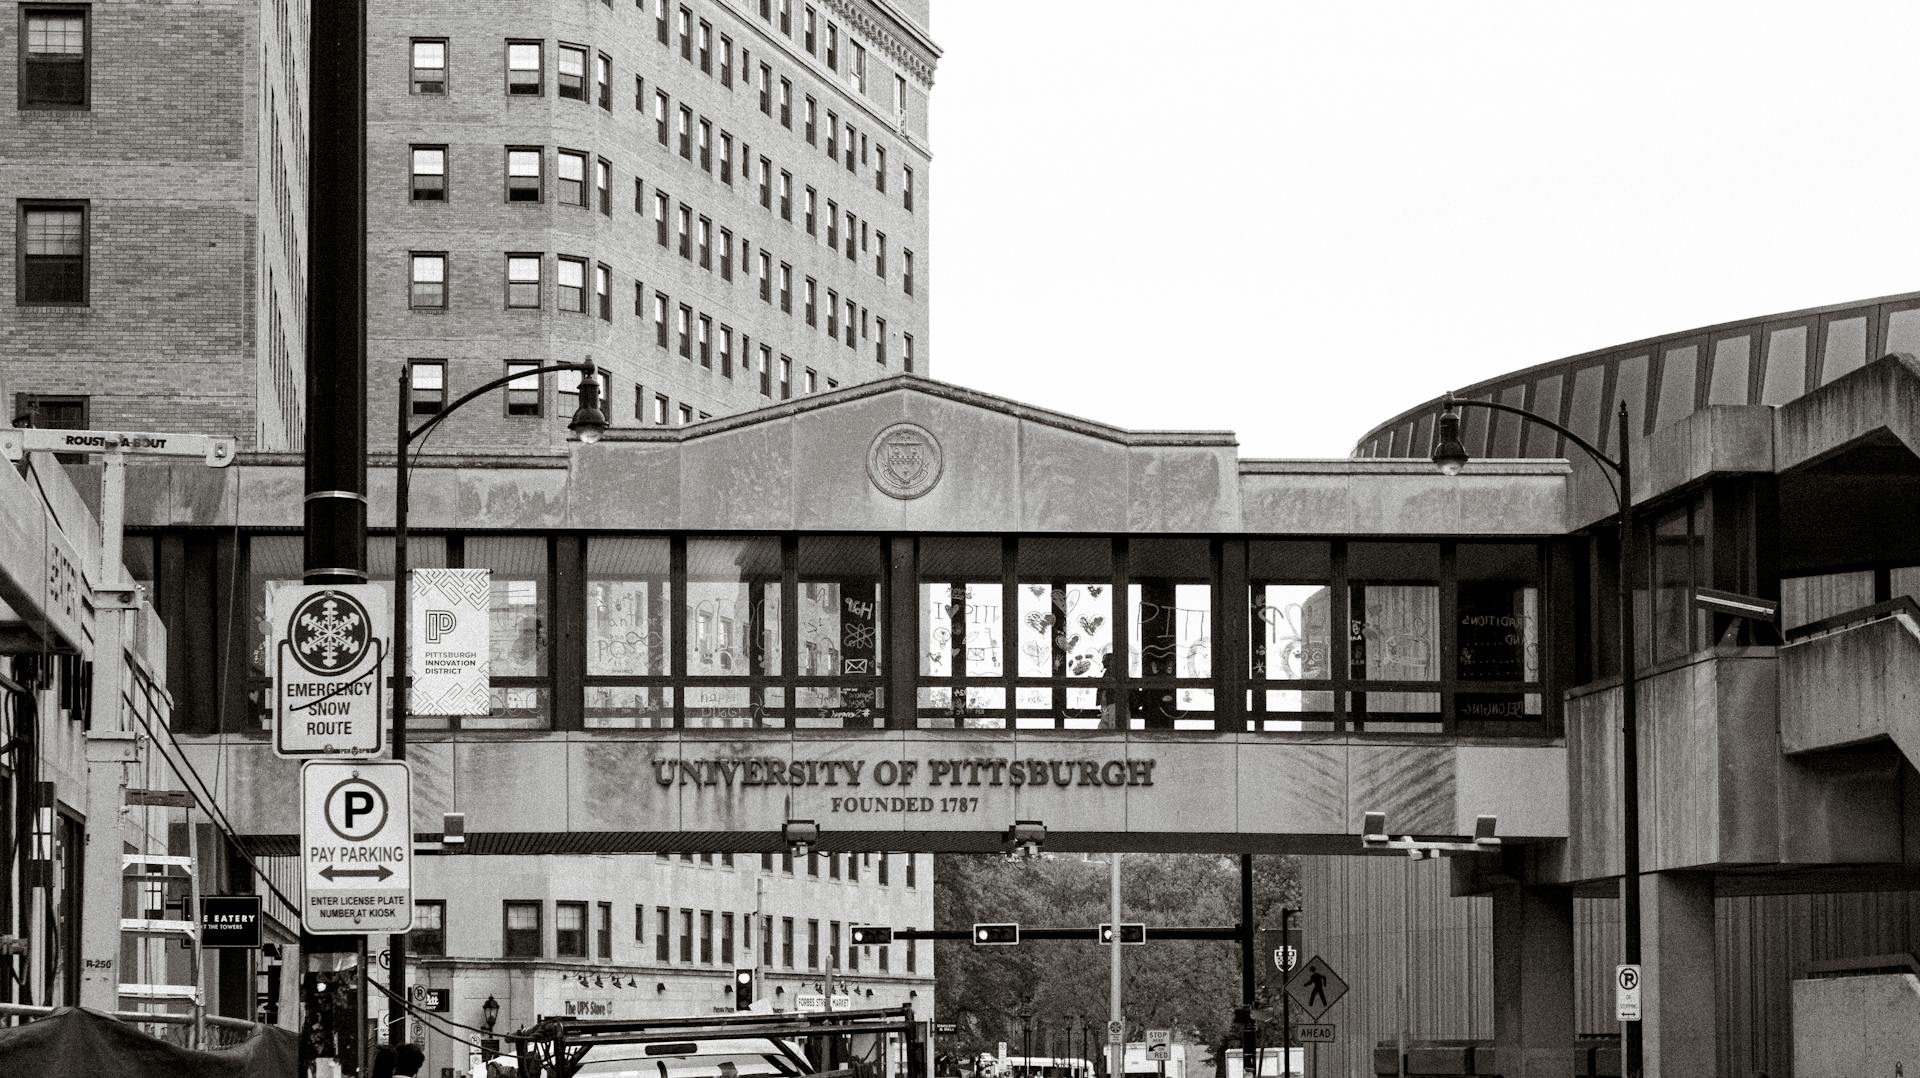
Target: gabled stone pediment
column 908, row 454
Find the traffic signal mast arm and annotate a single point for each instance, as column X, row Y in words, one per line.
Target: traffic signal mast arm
column 1084, row 935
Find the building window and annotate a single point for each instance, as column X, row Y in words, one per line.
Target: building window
column 573, row 72
column 603, row 80
column 810, row 120
column 429, row 65
column 686, row 414
column 660, row 319
column 906, row 272
column 662, row 934
column 523, row 393
column 859, row 67
column 906, row 188
column 53, row 254
column 833, row 47
column 726, row 351
column 686, row 231
column 427, row 379
column 523, row 281
column 429, row 173
column 810, row 297
column 786, row 942
column 603, row 291
column 685, row 335
column 570, row 169
column 53, row 57
column 523, row 68
column 880, row 341
column 813, row 943
column 833, row 135
column 846, row 322
column 786, row 391
column 766, row 277
column 522, row 930
column 726, row 254
column 706, row 342
column 705, row 142
column 812, row 385
column 570, row 280
column 880, row 254
column 913, row 956
column 603, row 934
column 786, row 104
column 704, row 243
column 660, row 116
column 880, row 167
column 786, row 17
column 900, row 96
column 766, row 184
column 685, row 131
column 806, row 31
column 660, row 20
column 833, row 314
column 686, row 34
column 833, row 224
column 766, row 89
column 884, row 860
column 428, row 276
column 523, row 174
column 786, row 288
column 659, row 410
column 726, row 61
column 603, row 184
column 706, row 47
column 52, row 413
column 570, row 929
column 706, row 918
column 429, row 936
column 660, row 202
column 766, row 370
column 686, row 935
column 913, row 865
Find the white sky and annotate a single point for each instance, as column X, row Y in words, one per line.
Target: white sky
column 1293, row 220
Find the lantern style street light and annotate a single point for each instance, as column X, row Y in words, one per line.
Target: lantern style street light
column 588, row 424
column 1451, row 456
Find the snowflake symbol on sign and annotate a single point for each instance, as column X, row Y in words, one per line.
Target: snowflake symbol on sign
column 329, row 632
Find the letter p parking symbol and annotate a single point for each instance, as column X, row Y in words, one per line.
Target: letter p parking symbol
column 356, row 809
column 439, row 624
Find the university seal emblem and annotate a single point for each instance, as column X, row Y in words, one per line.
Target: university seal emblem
column 904, row 460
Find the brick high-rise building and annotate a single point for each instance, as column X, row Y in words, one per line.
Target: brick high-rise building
column 724, row 204
column 154, row 163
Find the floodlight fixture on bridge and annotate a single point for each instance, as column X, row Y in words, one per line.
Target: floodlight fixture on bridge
column 1374, row 836
column 801, row 836
column 453, row 831
column 1026, row 837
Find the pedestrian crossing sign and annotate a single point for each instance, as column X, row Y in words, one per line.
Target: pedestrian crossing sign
column 1315, row 988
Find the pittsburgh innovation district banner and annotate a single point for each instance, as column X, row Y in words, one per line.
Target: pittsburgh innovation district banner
column 447, row 645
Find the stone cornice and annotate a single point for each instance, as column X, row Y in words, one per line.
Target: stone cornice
column 893, row 33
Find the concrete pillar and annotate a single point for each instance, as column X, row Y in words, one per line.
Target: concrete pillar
column 1678, row 997
column 1533, row 1027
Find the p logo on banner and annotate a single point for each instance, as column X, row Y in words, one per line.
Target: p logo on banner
column 448, row 645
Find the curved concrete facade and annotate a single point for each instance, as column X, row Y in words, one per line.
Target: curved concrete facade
column 1770, row 359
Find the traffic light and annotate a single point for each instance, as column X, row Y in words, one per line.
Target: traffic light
column 871, row 935
column 1130, row 932
column 743, row 980
column 1002, row 934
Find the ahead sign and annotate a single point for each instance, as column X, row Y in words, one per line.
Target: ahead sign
column 356, row 842
column 329, row 642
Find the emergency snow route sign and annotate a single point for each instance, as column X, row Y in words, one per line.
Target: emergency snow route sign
column 356, row 845
column 330, row 646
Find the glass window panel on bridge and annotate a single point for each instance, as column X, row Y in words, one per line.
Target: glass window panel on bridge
column 732, row 626
column 1393, row 635
column 1290, row 653
column 629, row 619
column 962, row 610
column 1064, row 633
column 1170, row 635
column 1496, row 646
column 517, row 626
column 839, row 620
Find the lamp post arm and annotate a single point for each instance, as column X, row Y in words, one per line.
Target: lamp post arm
column 1452, row 401
column 489, row 387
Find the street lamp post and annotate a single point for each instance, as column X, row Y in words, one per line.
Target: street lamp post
column 1451, row 456
column 588, row 423
column 1024, row 1012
